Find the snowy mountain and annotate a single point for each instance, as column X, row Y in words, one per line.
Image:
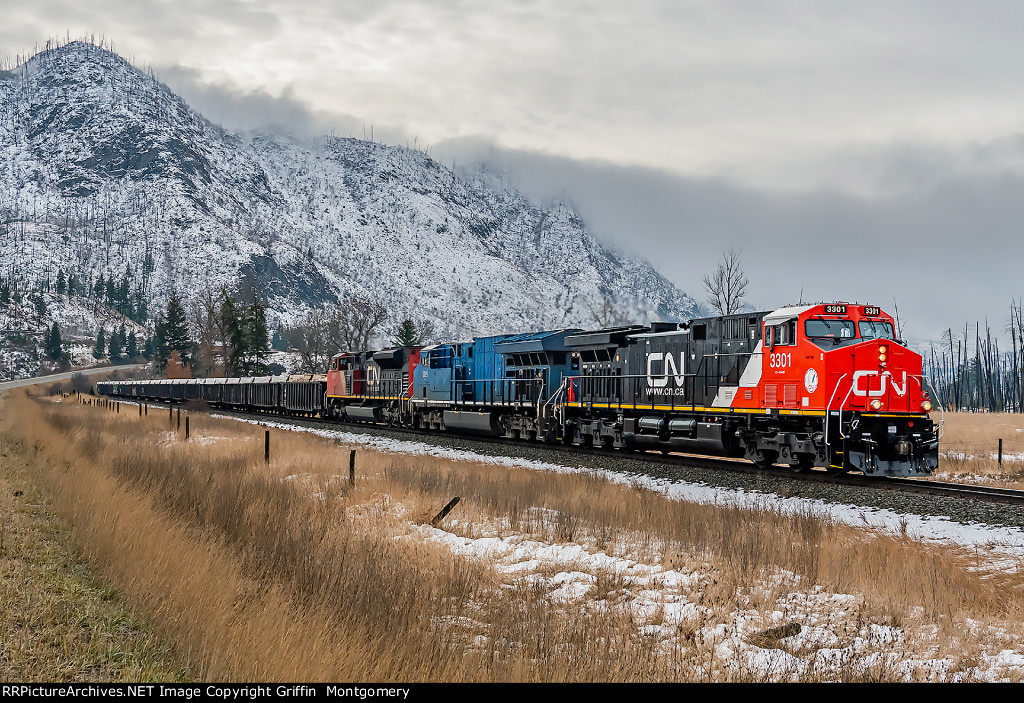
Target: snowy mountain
column 102, row 166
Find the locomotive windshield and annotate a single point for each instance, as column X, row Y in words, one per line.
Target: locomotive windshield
column 876, row 329
column 828, row 329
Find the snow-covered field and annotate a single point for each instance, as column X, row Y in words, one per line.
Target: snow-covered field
column 779, row 629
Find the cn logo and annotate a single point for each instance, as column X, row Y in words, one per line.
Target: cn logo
column 669, row 368
column 886, row 377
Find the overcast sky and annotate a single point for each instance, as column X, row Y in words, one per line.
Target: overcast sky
column 868, row 151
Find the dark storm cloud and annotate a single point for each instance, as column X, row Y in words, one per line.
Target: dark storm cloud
column 947, row 252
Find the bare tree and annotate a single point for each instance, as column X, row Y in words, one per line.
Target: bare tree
column 211, row 334
column 604, row 314
column 315, row 339
column 727, row 287
column 361, row 318
column 347, row 327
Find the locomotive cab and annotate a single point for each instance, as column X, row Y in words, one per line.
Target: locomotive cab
column 857, row 389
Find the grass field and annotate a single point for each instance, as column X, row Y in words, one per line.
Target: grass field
column 282, row 571
column 969, row 448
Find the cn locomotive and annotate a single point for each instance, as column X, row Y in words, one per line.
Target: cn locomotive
column 826, row 385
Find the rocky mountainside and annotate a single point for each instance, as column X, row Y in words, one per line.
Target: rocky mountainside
column 102, row 167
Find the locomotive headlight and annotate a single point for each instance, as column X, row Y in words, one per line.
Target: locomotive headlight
column 876, row 404
column 881, row 358
column 926, row 406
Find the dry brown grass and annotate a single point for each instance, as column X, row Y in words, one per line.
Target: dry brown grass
column 969, row 448
column 284, row 572
column 60, row 623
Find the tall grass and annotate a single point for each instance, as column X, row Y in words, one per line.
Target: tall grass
column 282, row 571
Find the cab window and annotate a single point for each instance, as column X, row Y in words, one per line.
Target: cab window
column 783, row 334
column 829, row 329
column 876, row 329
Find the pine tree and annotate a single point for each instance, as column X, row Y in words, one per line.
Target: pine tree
column 115, row 347
column 407, row 335
column 232, row 317
column 149, row 348
column 54, row 344
column 131, row 347
column 159, row 343
column 175, row 330
column 61, row 286
column 5, row 293
column 99, row 351
column 72, row 284
column 257, row 342
column 39, row 303
column 99, row 287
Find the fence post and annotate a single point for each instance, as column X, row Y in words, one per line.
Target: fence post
column 352, row 468
column 140, row 411
column 1000, row 451
column 266, row 446
column 186, row 428
column 444, row 511
column 179, row 419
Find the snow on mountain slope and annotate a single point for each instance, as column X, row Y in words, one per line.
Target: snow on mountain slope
column 101, row 164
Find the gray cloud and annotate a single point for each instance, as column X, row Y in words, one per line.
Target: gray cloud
column 864, row 150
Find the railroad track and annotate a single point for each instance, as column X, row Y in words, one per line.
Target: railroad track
column 907, row 485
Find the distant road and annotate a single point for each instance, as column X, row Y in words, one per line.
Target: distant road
column 64, row 376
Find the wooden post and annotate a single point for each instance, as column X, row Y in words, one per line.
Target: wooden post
column 179, row 418
column 140, row 411
column 266, row 446
column 170, row 414
column 444, row 512
column 186, row 427
column 1000, row 451
column 352, row 468
column 118, row 408
column 145, row 407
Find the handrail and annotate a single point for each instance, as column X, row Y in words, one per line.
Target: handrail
column 942, row 412
column 828, row 413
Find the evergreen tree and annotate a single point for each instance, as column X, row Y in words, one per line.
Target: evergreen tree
column 233, row 320
column 99, row 351
column 115, row 347
column 149, row 348
column 54, row 344
column 72, row 284
column 61, row 286
column 5, row 293
column 159, row 343
column 175, row 330
column 131, row 347
column 39, row 303
column 99, row 287
column 258, row 346
column 407, row 335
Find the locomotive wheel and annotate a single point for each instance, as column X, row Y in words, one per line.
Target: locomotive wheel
column 804, row 464
column 765, row 459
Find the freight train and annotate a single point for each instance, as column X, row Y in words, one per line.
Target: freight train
column 826, row 385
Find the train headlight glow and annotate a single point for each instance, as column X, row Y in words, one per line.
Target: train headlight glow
column 926, row 406
column 876, row 404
